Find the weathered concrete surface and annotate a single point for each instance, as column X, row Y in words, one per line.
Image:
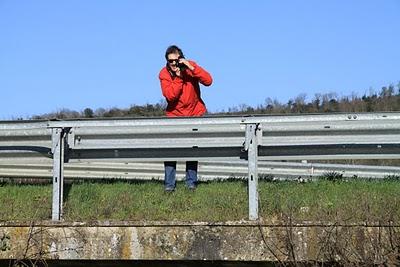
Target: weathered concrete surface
column 232, row 241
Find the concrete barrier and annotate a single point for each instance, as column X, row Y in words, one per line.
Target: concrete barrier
column 229, row 241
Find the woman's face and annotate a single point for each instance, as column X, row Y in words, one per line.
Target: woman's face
column 173, row 60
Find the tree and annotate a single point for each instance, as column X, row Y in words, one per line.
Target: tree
column 88, row 113
column 398, row 88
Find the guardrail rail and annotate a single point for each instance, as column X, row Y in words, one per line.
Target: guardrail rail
column 251, row 138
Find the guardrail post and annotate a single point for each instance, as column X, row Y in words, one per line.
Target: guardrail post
column 58, row 143
column 251, row 146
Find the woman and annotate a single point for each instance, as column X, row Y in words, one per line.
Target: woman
column 180, row 84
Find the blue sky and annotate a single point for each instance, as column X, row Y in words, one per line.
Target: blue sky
column 101, row 54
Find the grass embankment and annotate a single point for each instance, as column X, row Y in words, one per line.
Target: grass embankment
column 351, row 201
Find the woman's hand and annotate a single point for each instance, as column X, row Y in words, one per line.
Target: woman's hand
column 187, row 63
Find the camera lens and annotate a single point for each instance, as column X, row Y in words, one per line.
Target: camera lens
column 181, row 66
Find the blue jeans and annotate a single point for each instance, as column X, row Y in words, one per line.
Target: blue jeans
column 170, row 174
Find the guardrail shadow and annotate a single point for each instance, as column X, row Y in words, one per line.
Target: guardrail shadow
column 44, row 151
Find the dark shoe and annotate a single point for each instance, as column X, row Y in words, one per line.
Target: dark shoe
column 191, row 187
column 169, row 190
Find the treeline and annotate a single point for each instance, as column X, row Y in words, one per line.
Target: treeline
column 387, row 99
column 148, row 110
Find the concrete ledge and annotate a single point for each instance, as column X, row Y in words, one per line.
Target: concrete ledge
column 227, row 241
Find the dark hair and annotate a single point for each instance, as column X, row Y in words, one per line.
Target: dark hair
column 172, row 50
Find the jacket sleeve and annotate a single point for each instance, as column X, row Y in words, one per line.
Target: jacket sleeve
column 200, row 73
column 171, row 87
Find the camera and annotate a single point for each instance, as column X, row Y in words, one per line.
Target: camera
column 181, row 66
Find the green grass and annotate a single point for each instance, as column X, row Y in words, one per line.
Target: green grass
column 351, row 201
column 24, row 202
column 148, row 201
column 342, row 201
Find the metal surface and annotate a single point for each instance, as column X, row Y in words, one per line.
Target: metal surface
column 251, row 146
column 370, row 135
column 58, row 173
column 316, row 136
column 208, row 170
column 268, row 119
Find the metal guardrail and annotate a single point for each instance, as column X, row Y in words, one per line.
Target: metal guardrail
column 208, row 170
column 321, row 136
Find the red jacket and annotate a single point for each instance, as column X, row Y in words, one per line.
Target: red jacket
column 183, row 93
